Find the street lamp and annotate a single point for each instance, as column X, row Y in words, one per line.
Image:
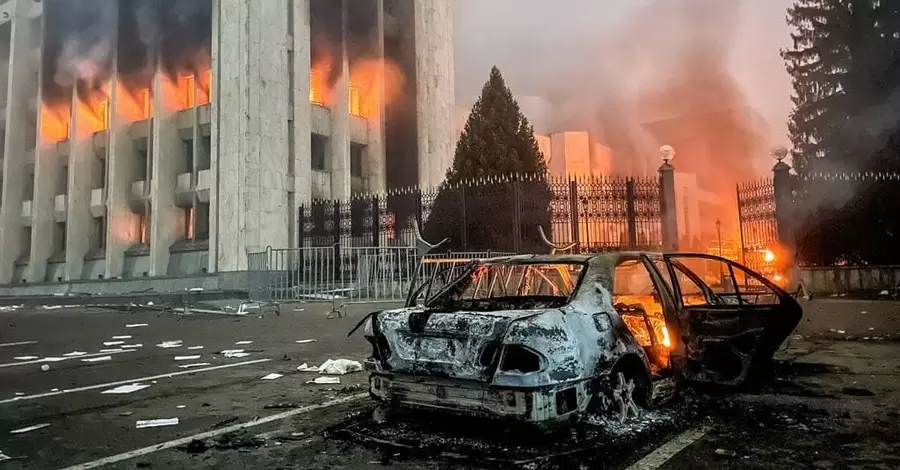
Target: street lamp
column 719, row 232
column 780, row 153
column 667, row 152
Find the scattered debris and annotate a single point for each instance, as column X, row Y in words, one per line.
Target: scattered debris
column 195, row 447
column 97, row 359
column 223, row 423
column 238, row 440
column 122, row 337
column 30, row 428
column 114, row 350
column 306, row 368
column 136, row 325
column 857, row 392
column 10, row 308
column 54, row 389
column 132, row 346
column 20, row 394
column 841, row 332
column 871, row 329
column 187, row 358
column 234, row 353
column 340, row 367
column 4, row 456
column 195, row 289
column 191, row 366
column 194, row 348
column 53, row 359
column 281, row 406
column 884, row 292
column 26, row 358
column 325, row 380
column 181, row 407
column 726, row 452
column 113, row 343
column 155, row 423
column 74, row 354
column 242, row 343
column 170, row 344
column 272, row 376
column 126, row 413
column 45, row 367
column 125, row 389
column 305, row 341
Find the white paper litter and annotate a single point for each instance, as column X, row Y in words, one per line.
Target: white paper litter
column 325, row 380
column 26, row 358
column 122, row 337
column 53, row 359
column 187, row 358
column 305, row 341
column 132, row 346
column 191, row 366
column 170, row 344
column 4, row 456
column 243, row 343
column 125, row 389
column 97, row 359
column 155, row 423
column 195, row 289
column 272, row 376
column 340, row 367
column 51, row 307
column 195, row 348
column 54, row 389
column 74, row 354
column 235, row 353
column 20, row 394
column 136, row 325
column 30, row 428
column 181, row 407
column 306, row 368
column 113, row 343
column 114, row 350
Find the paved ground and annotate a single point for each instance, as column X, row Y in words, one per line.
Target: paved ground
column 834, row 404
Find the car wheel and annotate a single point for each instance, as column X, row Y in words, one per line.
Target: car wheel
column 623, row 394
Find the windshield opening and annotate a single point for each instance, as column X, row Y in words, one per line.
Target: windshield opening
column 492, row 287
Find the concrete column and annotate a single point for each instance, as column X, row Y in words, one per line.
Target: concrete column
column 166, row 219
column 374, row 165
column 302, row 112
column 214, row 147
column 19, row 121
column 340, row 121
column 251, row 135
column 668, row 212
column 122, row 224
column 435, row 89
column 78, row 200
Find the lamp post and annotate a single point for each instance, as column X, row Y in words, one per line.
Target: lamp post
column 667, row 206
column 719, row 234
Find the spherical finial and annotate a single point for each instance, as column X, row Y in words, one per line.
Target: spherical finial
column 780, row 153
column 667, row 152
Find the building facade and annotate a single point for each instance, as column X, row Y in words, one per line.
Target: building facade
column 147, row 138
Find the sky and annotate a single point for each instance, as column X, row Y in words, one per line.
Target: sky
column 538, row 44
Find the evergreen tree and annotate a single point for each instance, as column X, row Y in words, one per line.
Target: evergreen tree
column 497, row 180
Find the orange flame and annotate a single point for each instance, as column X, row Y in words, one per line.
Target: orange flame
column 186, row 90
column 92, row 114
column 374, row 82
column 133, row 105
column 319, row 91
column 54, row 123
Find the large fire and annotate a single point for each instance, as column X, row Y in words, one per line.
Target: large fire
column 133, row 105
column 54, row 123
column 186, row 90
column 92, row 113
column 373, row 82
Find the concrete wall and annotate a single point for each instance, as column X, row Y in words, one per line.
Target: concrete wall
column 850, row 279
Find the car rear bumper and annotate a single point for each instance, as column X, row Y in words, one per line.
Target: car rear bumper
column 542, row 405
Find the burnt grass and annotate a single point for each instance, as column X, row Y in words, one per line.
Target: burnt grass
column 741, row 420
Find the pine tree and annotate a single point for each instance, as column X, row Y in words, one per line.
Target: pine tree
column 497, row 179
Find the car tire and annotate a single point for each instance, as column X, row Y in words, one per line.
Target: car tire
column 622, row 394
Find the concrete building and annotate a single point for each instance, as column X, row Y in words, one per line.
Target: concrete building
column 149, row 138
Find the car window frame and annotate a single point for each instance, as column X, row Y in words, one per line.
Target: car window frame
column 779, row 293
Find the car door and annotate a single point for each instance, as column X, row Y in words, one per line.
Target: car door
column 731, row 319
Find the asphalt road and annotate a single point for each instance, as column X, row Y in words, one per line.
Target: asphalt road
column 833, row 405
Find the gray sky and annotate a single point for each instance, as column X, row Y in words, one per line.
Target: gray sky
column 534, row 42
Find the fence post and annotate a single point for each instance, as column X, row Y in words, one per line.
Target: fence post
column 573, row 207
column 668, row 213
column 783, row 191
column 336, row 238
column 630, row 196
column 376, row 222
column 301, row 223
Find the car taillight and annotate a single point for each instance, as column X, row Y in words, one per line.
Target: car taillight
column 520, row 359
column 490, row 354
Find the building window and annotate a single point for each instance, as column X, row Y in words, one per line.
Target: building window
column 26, row 243
column 99, row 238
column 142, row 153
column 201, row 222
column 29, row 187
column 355, row 100
column 62, row 186
column 189, row 223
column 59, row 241
column 188, row 145
column 317, row 87
column 99, row 173
column 317, row 148
column 144, row 227
column 356, row 159
column 205, row 153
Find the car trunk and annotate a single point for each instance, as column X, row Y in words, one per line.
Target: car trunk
column 457, row 345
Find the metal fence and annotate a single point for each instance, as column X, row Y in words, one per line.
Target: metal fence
column 498, row 213
column 344, row 274
column 758, row 221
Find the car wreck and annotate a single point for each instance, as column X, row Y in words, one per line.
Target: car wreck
column 546, row 339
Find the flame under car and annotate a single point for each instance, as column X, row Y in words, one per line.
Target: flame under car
column 544, row 339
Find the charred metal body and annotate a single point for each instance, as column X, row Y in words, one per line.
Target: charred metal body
column 543, row 339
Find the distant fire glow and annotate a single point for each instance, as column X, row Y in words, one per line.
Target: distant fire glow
column 768, row 256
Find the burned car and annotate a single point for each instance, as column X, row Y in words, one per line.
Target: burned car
column 544, row 339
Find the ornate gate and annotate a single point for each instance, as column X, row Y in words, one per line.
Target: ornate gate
column 759, row 224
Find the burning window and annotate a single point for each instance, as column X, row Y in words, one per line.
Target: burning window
column 189, row 223
column 317, row 87
column 355, row 100
column 145, row 227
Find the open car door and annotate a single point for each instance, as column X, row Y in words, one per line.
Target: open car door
column 731, row 319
